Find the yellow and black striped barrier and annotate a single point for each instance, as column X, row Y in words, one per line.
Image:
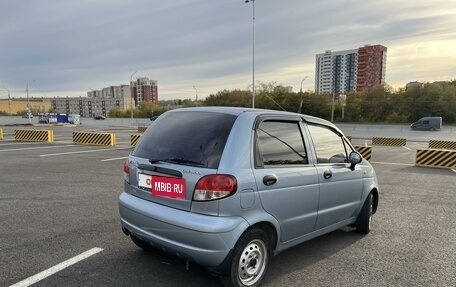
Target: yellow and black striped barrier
column 389, row 141
column 94, row 138
column 34, row 135
column 134, row 139
column 436, row 158
column 349, row 138
column 142, row 129
column 442, row 144
column 365, row 151
column 1, row 134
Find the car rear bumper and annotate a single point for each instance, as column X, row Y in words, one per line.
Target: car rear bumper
column 207, row 240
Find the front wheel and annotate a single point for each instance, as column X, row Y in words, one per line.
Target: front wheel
column 250, row 260
column 363, row 224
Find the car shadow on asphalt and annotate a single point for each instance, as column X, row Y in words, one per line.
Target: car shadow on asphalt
column 310, row 252
column 136, row 267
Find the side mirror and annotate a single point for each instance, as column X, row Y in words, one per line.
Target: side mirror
column 354, row 159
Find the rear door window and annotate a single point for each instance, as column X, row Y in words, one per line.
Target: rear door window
column 187, row 138
column 279, row 143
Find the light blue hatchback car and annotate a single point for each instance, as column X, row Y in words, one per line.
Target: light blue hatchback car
column 228, row 188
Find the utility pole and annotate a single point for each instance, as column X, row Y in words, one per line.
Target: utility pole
column 9, row 101
column 300, row 93
column 131, row 96
column 196, row 91
column 253, row 51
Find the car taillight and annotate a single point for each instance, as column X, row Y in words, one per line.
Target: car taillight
column 126, row 171
column 215, row 186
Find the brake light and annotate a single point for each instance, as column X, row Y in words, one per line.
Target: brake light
column 126, row 171
column 215, row 186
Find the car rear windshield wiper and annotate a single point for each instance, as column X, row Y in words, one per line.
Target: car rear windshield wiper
column 177, row 160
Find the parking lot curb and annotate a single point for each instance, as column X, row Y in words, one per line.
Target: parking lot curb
column 436, row 158
column 134, row 139
column 94, row 138
column 34, row 135
column 437, row 144
column 365, row 151
column 389, row 141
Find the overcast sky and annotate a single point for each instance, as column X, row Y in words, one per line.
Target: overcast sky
column 68, row 47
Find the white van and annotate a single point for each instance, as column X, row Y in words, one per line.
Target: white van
column 427, row 123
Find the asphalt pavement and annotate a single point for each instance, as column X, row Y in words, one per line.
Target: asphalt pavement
column 59, row 200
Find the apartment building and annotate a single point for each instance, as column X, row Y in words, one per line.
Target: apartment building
column 97, row 102
column 144, row 89
column 100, row 102
column 351, row 70
column 371, row 66
column 336, row 72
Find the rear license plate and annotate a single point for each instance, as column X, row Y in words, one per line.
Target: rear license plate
column 162, row 186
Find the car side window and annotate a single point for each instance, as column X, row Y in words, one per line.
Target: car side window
column 279, row 143
column 329, row 145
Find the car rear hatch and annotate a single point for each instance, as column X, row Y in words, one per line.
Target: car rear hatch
column 175, row 152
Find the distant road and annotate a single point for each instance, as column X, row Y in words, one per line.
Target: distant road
column 367, row 131
column 359, row 131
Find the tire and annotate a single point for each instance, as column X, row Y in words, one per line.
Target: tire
column 141, row 243
column 250, row 260
column 363, row 224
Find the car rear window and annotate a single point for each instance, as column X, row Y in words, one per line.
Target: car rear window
column 187, row 137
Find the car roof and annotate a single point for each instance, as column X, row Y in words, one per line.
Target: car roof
column 239, row 110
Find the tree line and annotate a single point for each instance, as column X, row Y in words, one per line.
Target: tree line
column 377, row 105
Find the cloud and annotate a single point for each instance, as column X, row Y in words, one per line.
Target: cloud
column 70, row 47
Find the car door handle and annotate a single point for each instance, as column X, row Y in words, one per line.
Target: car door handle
column 269, row 179
column 327, row 174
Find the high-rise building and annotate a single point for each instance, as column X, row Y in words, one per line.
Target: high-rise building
column 336, row 72
column 144, row 90
column 346, row 71
column 371, row 66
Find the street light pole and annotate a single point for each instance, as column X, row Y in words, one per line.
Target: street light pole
column 131, row 96
column 28, row 104
column 196, row 91
column 300, row 93
column 253, row 51
column 9, row 100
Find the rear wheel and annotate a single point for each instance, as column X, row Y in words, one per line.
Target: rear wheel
column 363, row 224
column 250, row 260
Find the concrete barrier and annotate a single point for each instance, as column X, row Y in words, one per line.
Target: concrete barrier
column 436, row 158
column 34, row 135
column 94, row 138
column 436, row 144
column 389, row 141
column 134, row 139
column 365, row 151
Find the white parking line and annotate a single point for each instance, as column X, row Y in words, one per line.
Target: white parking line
column 116, row 158
column 84, row 151
column 406, row 148
column 453, row 170
column 40, row 147
column 59, row 267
